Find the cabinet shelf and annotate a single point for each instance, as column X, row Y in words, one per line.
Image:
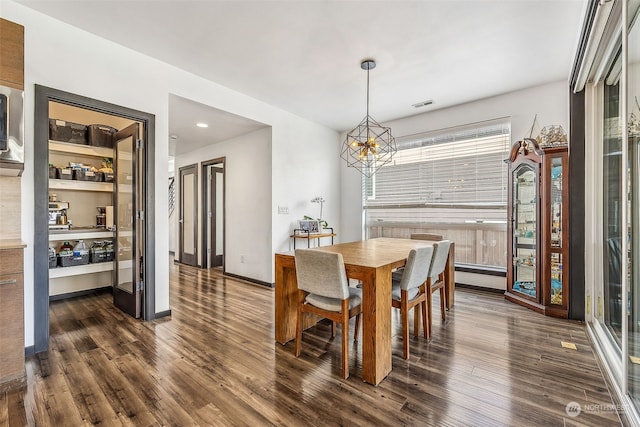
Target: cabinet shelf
column 64, row 184
column 58, row 236
column 84, row 150
column 77, row 270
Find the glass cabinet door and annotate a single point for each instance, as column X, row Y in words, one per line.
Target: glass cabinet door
column 525, row 210
column 556, row 230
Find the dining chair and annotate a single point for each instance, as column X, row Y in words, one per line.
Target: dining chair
column 323, row 290
column 435, row 281
column 426, row 236
column 397, row 275
column 411, row 292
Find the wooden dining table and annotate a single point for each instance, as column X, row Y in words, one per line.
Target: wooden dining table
column 370, row 261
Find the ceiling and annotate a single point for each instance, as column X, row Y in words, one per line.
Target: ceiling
column 304, row 56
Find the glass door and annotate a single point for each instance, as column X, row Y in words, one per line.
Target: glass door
column 556, row 230
column 525, row 214
column 129, row 248
column 633, row 207
column 609, row 309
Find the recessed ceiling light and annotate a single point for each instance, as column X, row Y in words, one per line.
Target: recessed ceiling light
column 202, row 125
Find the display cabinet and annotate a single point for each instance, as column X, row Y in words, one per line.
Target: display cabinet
column 537, row 228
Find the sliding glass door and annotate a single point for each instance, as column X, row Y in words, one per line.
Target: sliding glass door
column 633, row 208
column 609, row 310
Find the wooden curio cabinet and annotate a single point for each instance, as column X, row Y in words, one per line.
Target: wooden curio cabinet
column 538, row 246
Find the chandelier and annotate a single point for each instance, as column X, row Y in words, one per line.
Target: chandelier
column 369, row 145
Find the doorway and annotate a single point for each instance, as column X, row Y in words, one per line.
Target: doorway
column 144, row 212
column 213, row 213
column 188, row 215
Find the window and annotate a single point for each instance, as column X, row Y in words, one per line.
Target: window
column 451, row 182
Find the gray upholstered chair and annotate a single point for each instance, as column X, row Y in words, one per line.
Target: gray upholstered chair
column 411, row 291
column 436, row 277
column 324, row 290
column 426, row 236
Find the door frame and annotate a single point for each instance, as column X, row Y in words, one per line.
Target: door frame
column 43, row 95
column 206, row 192
column 181, row 216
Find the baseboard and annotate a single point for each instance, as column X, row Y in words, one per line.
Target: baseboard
column 161, row 314
column 486, row 270
column 250, row 280
column 80, row 293
column 480, row 288
column 29, row 351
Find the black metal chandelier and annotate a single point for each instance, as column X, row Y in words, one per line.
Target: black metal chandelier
column 369, row 145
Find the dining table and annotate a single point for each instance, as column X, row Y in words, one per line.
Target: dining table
column 371, row 262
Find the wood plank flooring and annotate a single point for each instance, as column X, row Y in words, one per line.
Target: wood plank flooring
column 214, row 362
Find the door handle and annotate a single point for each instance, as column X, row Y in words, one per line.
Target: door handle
column 8, row 282
column 180, row 221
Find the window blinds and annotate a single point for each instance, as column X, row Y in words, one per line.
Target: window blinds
column 457, row 168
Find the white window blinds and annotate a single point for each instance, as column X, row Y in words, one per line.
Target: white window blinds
column 462, row 166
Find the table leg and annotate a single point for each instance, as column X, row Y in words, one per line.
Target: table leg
column 376, row 325
column 449, row 277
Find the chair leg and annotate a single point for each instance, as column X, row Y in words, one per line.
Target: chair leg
column 404, row 312
column 416, row 320
column 429, row 316
column 356, row 331
column 299, row 331
column 425, row 320
column 345, row 339
column 442, row 303
column 333, row 329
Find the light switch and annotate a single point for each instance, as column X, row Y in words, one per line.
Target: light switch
column 283, row 210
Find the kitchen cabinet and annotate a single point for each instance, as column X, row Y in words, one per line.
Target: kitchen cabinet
column 12, row 373
column 537, row 229
column 12, row 54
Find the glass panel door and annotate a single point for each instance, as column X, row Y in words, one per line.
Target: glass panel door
column 633, row 230
column 525, row 212
column 609, row 310
column 556, row 230
column 128, row 191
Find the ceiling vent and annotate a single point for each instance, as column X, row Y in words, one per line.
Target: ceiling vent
column 423, row 103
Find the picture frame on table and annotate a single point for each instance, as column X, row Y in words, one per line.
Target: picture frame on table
column 311, row 226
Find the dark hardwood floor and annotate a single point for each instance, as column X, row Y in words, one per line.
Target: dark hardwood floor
column 215, row 362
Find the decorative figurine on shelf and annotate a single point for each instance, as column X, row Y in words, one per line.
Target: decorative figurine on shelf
column 323, row 223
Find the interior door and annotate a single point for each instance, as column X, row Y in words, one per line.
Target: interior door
column 188, row 219
column 216, row 215
column 129, row 241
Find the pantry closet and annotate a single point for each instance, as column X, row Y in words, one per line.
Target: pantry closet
column 92, row 222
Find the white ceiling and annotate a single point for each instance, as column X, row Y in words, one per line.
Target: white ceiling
column 185, row 136
column 304, row 56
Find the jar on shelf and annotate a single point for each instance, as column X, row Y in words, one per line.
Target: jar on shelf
column 66, row 248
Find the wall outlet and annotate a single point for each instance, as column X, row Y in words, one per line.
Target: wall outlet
column 283, row 210
column 241, row 259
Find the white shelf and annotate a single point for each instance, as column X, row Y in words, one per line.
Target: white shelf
column 77, row 270
column 84, row 150
column 66, row 184
column 79, row 235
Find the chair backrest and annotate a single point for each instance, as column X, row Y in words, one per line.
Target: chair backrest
column 440, row 255
column 426, row 236
column 416, row 270
column 321, row 273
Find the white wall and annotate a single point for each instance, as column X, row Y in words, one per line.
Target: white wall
column 248, row 200
column 63, row 57
column 550, row 102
